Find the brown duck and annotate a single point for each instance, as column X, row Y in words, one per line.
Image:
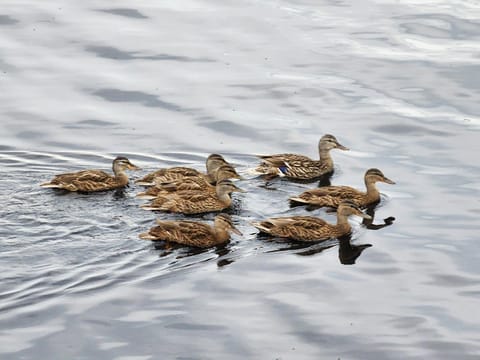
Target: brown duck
column 309, row 228
column 332, row 196
column 193, row 233
column 179, row 172
column 94, row 180
column 195, row 202
column 197, row 183
column 298, row 166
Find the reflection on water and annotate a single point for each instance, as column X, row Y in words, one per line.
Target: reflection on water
column 167, row 83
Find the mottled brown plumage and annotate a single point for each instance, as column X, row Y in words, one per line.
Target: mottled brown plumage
column 170, row 174
column 195, row 202
column 196, row 183
column 94, row 180
column 193, row 233
column 298, row 166
column 332, row 196
column 179, row 172
column 309, row 228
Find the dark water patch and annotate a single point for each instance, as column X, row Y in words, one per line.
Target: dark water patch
column 440, row 26
column 69, row 145
column 143, row 98
column 412, row 130
column 7, row 20
column 450, row 280
column 231, row 128
column 467, row 76
column 127, row 12
column 90, row 124
column 30, row 134
column 408, row 322
column 110, row 52
column 444, row 349
column 473, row 294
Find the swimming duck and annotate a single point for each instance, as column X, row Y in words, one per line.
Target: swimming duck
column 176, row 173
column 332, row 195
column 193, row 233
column 94, row 180
column 309, row 228
column 197, row 183
column 195, row 202
column 298, row 166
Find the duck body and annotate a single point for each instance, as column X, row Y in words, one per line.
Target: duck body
column 195, row 202
column 193, row 233
column 332, row 196
column 294, row 166
column 310, row 228
column 93, row 180
column 175, row 174
column 167, row 175
column 199, row 183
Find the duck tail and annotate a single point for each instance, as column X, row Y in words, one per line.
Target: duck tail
column 261, row 225
column 146, row 236
column 297, row 199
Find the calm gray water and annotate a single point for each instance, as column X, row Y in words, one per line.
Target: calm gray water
column 166, row 83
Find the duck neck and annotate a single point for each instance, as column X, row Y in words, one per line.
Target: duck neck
column 372, row 192
column 325, row 157
column 224, row 197
column 120, row 176
column 342, row 223
column 221, row 234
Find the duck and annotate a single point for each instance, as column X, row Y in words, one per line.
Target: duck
column 94, row 180
column 300, row 167
column 310, row 228
column 193, row 233
column 179, row 172
column 195, row 202
column 197, row 183
column 332, row 196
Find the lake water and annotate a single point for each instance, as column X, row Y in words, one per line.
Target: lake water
column 166, row 84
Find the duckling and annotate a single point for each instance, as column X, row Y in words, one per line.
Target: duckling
column 197, row 183
column 301, row 167
column 179, row 172
column 309, row 228
column 195, row 202
column 332, row 195
column 193, row 233
column 94, row 180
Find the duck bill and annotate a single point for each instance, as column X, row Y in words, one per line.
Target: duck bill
column 365, row 216
column 388, row 181
column 134, row 167
column 237, row 189
column 236, row 231
column 341, row 147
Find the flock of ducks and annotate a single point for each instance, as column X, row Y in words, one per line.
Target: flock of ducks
column 189, row 191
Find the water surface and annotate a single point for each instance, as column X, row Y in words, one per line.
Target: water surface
column 168, row 84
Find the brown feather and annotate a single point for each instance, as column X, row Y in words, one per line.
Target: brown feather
column 300, row 167
column 309, row 228
column 332, row 196
column 192, row 233
column 93, row 180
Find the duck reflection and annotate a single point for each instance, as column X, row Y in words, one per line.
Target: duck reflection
column 297, row 247
column 168, row 248
column 347, row 252
column 368, row 223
